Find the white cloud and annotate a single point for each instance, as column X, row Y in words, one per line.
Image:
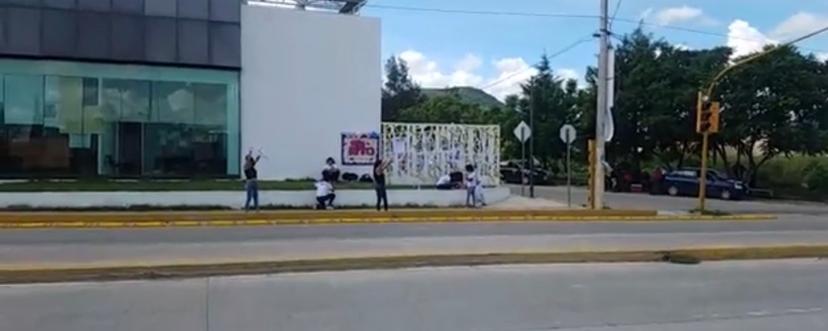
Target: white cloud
column 427, row 73
column 822, row 56
column 683, row 47
column 567, row 74
column 470, row 62
column 745, row 39
column 681, row 14
column 511, row 72
column 799, row 24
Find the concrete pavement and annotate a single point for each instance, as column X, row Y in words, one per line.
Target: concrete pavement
column 86, row 256
column 757, row 295
column 681, row 204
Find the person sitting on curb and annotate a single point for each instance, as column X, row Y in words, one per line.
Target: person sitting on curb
column 324, row 195
column 444, row 183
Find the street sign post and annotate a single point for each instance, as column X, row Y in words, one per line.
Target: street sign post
column 568, row 137
column 522, row 132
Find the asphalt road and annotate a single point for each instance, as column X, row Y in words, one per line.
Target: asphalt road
column 757, row 296
column 679, row 204
column 83, row 248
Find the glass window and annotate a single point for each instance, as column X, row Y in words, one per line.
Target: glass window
column 93, row 35
column 59, row 31
column 82, row 124
column 192, row 42
column 65, row 4
column 193, row 9
column 20, row 2
column 211, row 104
column 37, row 114
column 225, row 45
column 161, row 39
column 225, row 10
column 63, row 104
column 23, row 31
column 127, row 37
column 99, row 5
column 128, row 6
column 91, row 94
column 126, row 100
column 24, row 99
column 160, row 7
column 125, row 107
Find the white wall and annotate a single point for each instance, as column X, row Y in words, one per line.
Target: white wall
column 235, row 199
column 306, row 77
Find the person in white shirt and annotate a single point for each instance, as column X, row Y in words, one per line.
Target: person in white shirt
column 444, row 182
column 324, row 195
column 474, row 188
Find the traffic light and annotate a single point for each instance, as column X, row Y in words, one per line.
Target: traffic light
column 707, row 117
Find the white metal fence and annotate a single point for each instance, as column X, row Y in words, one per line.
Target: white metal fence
column 420, row 153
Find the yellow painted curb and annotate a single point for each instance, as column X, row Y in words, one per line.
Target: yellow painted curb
column 372, row 220
column 193, row 270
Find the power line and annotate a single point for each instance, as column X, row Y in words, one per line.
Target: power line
column 480, row 12
column 565, row 15
column 550, row 56
column 615, row 12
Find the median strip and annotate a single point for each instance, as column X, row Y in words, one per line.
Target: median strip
column 195, row 270
column 373, row 220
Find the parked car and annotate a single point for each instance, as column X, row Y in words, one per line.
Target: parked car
column 511, row 172
column 686, row 182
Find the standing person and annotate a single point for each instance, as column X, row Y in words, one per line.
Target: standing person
column 471, row 186
column 331, row 172
column 251, row 186
column 379, row 183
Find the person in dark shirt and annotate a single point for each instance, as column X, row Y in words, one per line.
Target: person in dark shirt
column 379, row 183
column 251, row 187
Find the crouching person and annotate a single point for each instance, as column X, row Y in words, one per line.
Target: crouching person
column 324, row 195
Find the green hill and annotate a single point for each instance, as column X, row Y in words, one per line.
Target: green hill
column 466, row 94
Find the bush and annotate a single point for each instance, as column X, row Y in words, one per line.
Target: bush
column 817, row 179
column 783, row 172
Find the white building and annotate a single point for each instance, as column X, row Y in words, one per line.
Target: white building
column 182, row 88
column 306, row 78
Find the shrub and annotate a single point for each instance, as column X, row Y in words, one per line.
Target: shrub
column 817, row 178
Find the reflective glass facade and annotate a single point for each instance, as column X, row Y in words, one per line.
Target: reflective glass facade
column 203, row 33
column 72, row 119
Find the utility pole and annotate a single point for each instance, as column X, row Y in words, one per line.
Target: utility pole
column 532, row 148
column 603, row 88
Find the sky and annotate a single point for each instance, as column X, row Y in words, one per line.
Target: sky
column 496, row 52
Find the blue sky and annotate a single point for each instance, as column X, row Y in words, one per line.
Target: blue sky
column 494, row 52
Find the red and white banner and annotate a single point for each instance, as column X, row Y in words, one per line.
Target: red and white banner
column 360, row 148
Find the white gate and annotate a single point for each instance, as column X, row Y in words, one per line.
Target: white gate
column 420, row 153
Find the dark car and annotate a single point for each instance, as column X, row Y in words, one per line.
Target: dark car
column 511, row 172
column 686, row 182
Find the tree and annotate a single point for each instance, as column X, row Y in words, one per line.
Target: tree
column 774, row 106
column 655, row 100
column 554, row 103
column 399, row 91
column 446, row 109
